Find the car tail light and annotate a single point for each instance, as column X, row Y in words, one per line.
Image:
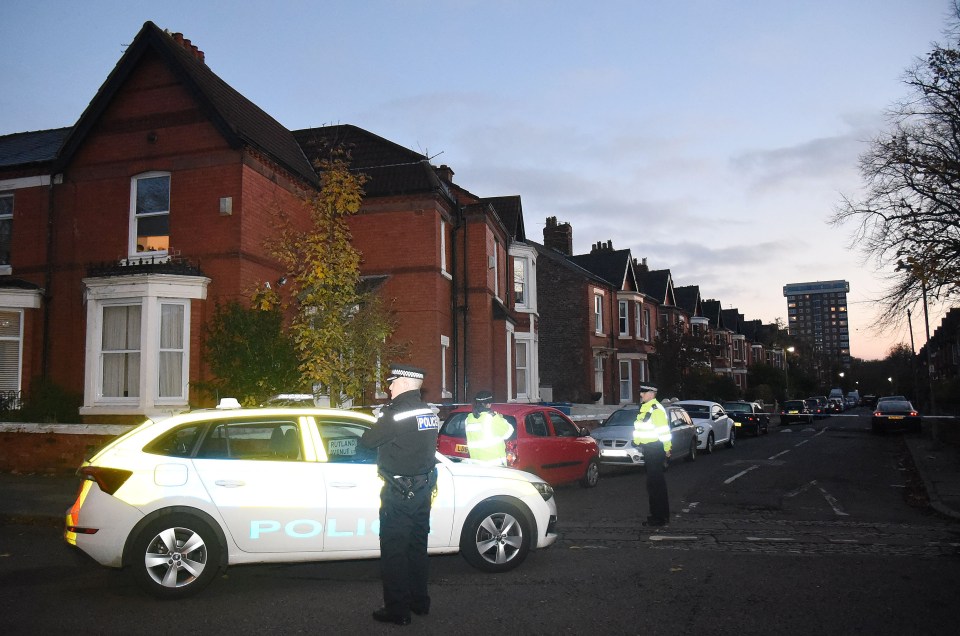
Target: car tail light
column 913, row 413
column 109, row 479
column 511, row 451
column 876, row 413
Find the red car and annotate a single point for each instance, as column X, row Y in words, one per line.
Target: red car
column 545, row 442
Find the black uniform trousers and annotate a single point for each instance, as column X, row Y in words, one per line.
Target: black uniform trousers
column 404, row 526
column 654, row 457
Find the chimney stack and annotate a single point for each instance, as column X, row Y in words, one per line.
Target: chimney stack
column 558, row 237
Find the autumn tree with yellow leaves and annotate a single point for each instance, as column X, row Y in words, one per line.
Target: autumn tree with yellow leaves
column 341, row 333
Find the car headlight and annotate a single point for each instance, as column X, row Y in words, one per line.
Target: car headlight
column 545, row 489
column 699, row 430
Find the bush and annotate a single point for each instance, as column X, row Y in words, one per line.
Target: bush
column 49, row 403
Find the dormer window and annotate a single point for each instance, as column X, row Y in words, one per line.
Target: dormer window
column 150, row 215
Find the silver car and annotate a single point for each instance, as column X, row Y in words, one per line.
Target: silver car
column 713, row 424
column 615, row 437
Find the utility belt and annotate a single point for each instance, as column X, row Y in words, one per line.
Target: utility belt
column 407, row 486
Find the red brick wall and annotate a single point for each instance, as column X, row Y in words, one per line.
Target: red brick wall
column 48, row 453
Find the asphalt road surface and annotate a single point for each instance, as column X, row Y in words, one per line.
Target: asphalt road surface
column 807, row 530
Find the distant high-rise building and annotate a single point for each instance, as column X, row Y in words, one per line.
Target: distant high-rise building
column 817, row 316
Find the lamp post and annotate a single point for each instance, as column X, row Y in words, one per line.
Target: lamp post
column 786, row 375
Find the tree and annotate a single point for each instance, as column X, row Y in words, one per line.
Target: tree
column 249, row 354
column 909, row 216
column 341, row 334
column 678, row 352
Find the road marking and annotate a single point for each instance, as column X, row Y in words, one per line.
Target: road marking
column 779, row 454
column 741, row 474
column 830, row 498
column 664, row 537
column 801, row 443
column 770, row 539
column 691, row 506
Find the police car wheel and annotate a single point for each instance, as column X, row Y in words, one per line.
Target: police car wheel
column 495, row 538
column 175, row 556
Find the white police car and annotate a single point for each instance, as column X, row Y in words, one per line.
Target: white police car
column 178, row 500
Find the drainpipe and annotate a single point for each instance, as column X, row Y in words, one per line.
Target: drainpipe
column 47, row 284
column 464, row 309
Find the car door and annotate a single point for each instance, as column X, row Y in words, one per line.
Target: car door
column 682, row 432
column 270, row 500
column 533, row 447
column 353, row 491
column 571, row 450
column 722, row 423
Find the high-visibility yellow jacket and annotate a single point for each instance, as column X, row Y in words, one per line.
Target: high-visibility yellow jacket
column 486, row 437
column 652, row 424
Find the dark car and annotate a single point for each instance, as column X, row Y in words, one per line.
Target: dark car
column 868, row 401
column 895, row 414
column 545, row 442
column 748, row 417
column 615, row 437
column 795, row 411
column 818, row 406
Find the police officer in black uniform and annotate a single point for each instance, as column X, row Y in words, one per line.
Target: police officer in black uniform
column 405, row 437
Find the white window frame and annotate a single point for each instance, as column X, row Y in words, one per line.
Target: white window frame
column 646, row 324
column 623, row 309
column 598, row 374
column 5, row 268
column 643, row 370
column 444, row 351
column 626, row 380
column 134, row 218
column 443, row 250
column 598, row 313
column 151, row 292
column 520, row 281
column 496, row 267
column 522, row 364
column 17, row 340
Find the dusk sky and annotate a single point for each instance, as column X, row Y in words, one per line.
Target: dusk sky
column 713, row 138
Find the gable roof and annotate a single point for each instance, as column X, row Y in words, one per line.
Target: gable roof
column 390, row 168
column 240, row 121
column 732, row 320
column 510, row 212
column 658, row 284
column 613, row 266
column 564, row 261
column 31, row 148
column 688, row 299
column 713, row 312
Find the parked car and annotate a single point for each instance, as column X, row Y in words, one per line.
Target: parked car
column 850, row 402
column 179, row 499
column 795, row 411
column 835, row 405
column 545, row 442
column 748, row 417
column 818, row 406
column 615, row 437
column 895, row 414
column 713, row 424
column 869, row 401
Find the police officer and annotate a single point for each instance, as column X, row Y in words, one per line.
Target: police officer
column 651, row 431
column 487, row 432
column 405, row 437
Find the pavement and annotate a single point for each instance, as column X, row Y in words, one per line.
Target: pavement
column 44, row 499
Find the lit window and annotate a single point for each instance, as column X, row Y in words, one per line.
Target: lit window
column 150, row 214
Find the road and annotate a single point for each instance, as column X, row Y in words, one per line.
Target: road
column 807, row 530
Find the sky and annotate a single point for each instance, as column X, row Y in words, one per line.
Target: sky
column 714, row 138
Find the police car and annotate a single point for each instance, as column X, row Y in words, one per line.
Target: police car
column 175, row 501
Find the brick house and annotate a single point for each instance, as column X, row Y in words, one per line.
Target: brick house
column 120, row 234
column 722, row 362
column 636, row 320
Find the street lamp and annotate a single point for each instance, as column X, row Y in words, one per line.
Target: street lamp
column 786, row 376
